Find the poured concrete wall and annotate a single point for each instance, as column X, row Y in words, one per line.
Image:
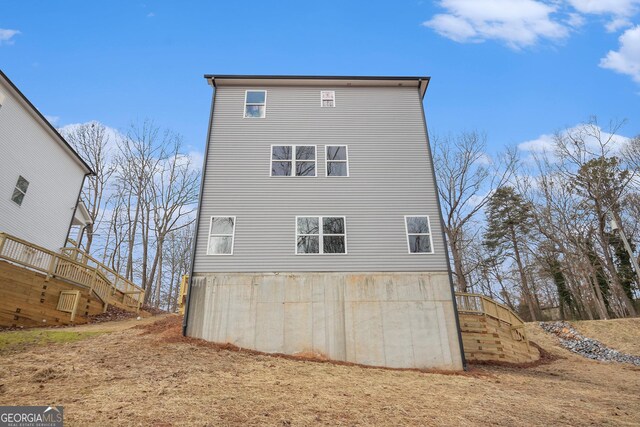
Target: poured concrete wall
column 399, row 320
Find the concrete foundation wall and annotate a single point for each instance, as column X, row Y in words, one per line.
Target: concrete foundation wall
column 399, row 320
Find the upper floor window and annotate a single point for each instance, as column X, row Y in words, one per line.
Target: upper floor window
column 293, row 160
column 419, row 234
column 337, row 160
column 255, row 104
column 320, row 235
column 327, row 98
column 221, row 235
column 20, row 190
column 1, row 99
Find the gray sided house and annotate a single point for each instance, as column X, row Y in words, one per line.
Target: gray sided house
column 319, row 231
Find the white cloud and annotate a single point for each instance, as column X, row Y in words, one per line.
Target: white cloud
column 113, row 135
column 6, row 36
column 617, row 24
column 545, row 143
column 150, row 15
column 52, row 119
column 517, row 23
column 626, row 60
column 619, row 10
column 606, row 7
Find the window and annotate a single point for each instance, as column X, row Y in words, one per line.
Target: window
column 221, row 235
column 1, row 99
column 321, row 235
column 327, row 98
column 337, row 160
column 20, row 190
column 255, row 104
column 293, row 160
column 418, row 234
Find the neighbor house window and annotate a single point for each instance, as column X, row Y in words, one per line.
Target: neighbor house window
column 1, row 100
column 20, row 190
column 337, row 160
column 418, row 234
column 321, row 235
column 327, row 98
column 293, row 160
column 221, row 235
column 255, row 104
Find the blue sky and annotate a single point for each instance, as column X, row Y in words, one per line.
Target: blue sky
column 515, row 69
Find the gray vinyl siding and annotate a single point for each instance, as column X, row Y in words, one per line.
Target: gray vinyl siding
column 390, row 177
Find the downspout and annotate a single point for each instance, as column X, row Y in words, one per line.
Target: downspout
column 185, row 321
column 444, row 237
column 75, row 208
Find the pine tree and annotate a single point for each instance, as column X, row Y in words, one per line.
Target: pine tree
column 509, row 222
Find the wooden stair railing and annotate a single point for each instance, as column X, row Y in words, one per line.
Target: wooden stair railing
column 483, row 305
column 73, row 266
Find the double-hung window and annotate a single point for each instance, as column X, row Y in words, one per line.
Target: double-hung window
column 327, row 98
column 418, row 234
column 293, row 160
column 321, row 235
column 221, row 235
column 20, row 190
column 255, row 104
column 337, row 160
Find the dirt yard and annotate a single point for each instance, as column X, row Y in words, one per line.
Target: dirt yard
column 113, row 374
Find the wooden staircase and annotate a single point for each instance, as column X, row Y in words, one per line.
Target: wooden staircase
column 76, row 267
column 492, row 331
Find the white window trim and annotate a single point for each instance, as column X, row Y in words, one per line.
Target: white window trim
column 233, row 235
column 24, row 193
column 293, row 161
column 326, row 161
column 321, row 234
column 244, row 110
column 406, row 232
column 334, row 98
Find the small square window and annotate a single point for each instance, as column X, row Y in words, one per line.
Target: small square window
column 327, row 98
column 20, row 190
column 255, row 104
column 418, row 234
column 221, row 235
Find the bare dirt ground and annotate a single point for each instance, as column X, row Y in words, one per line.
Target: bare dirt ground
column 153, row 376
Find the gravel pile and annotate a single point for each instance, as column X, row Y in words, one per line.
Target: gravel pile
column 574, row 341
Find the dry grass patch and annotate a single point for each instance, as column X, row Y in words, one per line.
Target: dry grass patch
column 154, row 377
column 620, row 334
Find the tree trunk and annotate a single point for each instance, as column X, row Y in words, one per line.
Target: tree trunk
column 523, row 277
column 615, row 280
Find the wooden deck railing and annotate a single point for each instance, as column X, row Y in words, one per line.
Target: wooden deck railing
column 483, row 305
column 131, row 291
column 74, row 266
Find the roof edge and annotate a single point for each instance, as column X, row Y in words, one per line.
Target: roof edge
column 47, row 124
column 423, row 81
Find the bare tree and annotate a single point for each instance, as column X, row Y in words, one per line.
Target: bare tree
column 466, row 176
column 92, row 142
column 174, row 192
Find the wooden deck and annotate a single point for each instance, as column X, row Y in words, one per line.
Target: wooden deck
column 492, row 331
column 38, row 286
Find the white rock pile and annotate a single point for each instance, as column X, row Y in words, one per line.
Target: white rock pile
column 574, row 341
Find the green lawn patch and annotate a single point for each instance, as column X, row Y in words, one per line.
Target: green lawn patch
column 17, row 340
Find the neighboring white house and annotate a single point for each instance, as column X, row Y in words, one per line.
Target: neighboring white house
column 41, row 176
